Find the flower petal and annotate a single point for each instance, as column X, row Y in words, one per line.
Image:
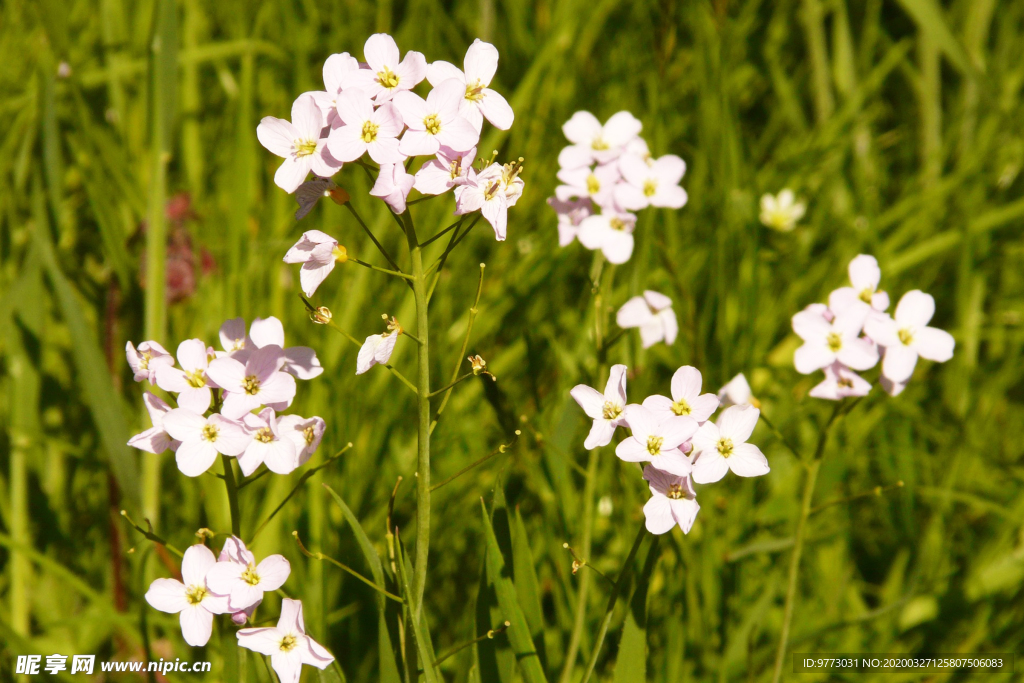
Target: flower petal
column 738, row 422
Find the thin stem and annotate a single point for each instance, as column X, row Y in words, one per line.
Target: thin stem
column 614, row 597
column 150, row 535
column 396, row 373
column 465, row 344
column 353, row 572
column 419, row 580
column 450, row 385
column 302, row 480
column 380, row 247
column 396, row 273
column 875, row 492
column 497, row 451
column 444, row 232
column 780, row 437
column 458, row 237
column 229, row 484
column 798, row 543
column 490, row 634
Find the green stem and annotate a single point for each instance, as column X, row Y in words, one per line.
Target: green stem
column 396, row 273
column 321, row 557
column 798, row 543
column 614, row 597
column 229, row 484
column 419, row 579
column 465, row 344
column 450, row 385
column 380, row 247
column 497, row 451
column 391, row 368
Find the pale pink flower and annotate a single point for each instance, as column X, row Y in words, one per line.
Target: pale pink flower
column 722, row 447
column 300, row 361
column 571, row 214
column 259, row 381
column 192, row 384
column 650, row 184
column 863, row 298
column 393, row 186
column 318, row 252
column 611, row 232
column 607, row 410
column 736, row 392
column 268, row 446
column 233, row 338
column 386, row 76
column 233, row 550
column 145, row 360
column 673, row 502
column 202, row 439
column 335, row 69
column 366, row 130
column 840, row 382
column 435, row 121
column 686, row 397
column 449, row 169
column 377, row 348
column 299, row 143
column 479, row 101
column 244, row 581
column 652, row 313
column 598, row 184
column 908, row 336
column 154, row 439
column 304, row 433
column 485, row 192
column 827, row 342
column 594, row 142
column 656, row 439
column 287, row 644
column 194, row 603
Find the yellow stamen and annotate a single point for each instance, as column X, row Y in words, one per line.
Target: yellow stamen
column 835, row 342
column 387, row 78
column 289, row 643
column 210, row 433
column 725, row 447
column 611, row 411
column 650, row 187
column 681, row 407
column 906, row 336
column 432, row 124
column 593, row 184
column 369, row 131
column 675, row 492
column 195, row 594
column 303, row 148
column 654, row 444
column 250, row 576
column 251, row 385
column 264, row 435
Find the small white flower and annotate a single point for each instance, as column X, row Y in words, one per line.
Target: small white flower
column 268, row 446
column 673, row 502
column 653, row 314
column 377, row 348
column 736, row 392
column 318, row 252
column 827, row 342
column 656, row 439
column 154, row 439
column 287, row 644
column 863, row 297
column 305, row 433
column 908, row 336
column 781, row 213
column 722, row 447
column 192, row 600
column 607, row 410
column 840, row 382
column 686, row 397
column 242, row 579
column 611, row 232
column 595, row 142
column 145, row 360
column 202, row 439
column 191, row 383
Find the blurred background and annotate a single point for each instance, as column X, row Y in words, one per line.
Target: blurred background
column 899, row 122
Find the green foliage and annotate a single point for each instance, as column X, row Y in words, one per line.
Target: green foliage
column 898, row 123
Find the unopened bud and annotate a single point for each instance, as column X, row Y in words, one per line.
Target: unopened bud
column 205, row 533
column 338, row 195
column 480, row 366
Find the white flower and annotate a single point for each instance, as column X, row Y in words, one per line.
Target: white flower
column 607, row 410
column 335, row 69
column 436, row 121
column 652, row 182
column 657, row 439
column 154, row 439
column 441, row 174
column 611, row 232
column 268, row 446
column 736, row 392
column 366, row 130
column 485, row 192
column 594, row 142
column 192, row 383
column 287, row 644
column 242, row 579
column 827, row 342
column 298, row 361
column 479, row 100
column 908, row 336
column 722, row 447
column 145, row 360
column 863, row 297
column 202, row 439
column 299, row 143
column 318, row 252
column 377, row 348
column 781, row 213
column 393, row 186
column 259, row 381
column 571, row 214
column 596, row 183
column 305, row 433
column 686, row 397
column 192, row 600
column 386, row 76
column 653, row 314
column 673, row 502
column 840, row 382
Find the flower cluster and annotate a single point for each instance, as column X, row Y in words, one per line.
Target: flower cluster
column 234, row 583
column 369, row 109
column 854, row 331
column 607, row 173
column 678, row 440
column 228, row 401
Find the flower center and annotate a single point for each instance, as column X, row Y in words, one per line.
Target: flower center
column 611, row 411
column 599, row 145
column 264, row 435
column 866, row 294
column 724, row 447
column 593, row 184
column 835, row 342
column 195, row 594
column 387, row 78
column 303, row 148
column 616, row 224
column 251, row 385
column 906, row 336
column 675, row 492
column 654, row 444
column 369, row 131
column 289, row 643
column 250, row 576
column 681, row 407
column 845, row 383
column 432, row 124
column 650, row 187
column 237, row 345
column 455, row 168
column 196, row 380
column 210, row 433
column 492, row 190
column 144, row 360
column 308, row 434
column 475, row 92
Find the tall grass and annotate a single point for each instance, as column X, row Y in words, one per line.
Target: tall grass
column 899, row 122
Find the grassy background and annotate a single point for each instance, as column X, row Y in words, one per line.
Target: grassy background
column 898, row 121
